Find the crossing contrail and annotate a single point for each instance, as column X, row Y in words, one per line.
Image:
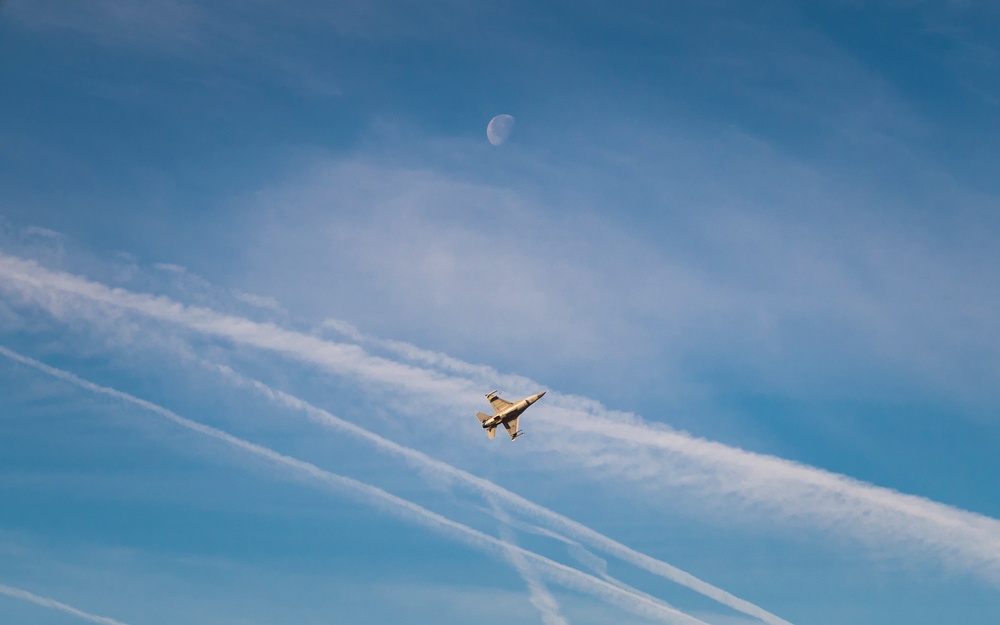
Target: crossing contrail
column 959, row 538
column 495, row 492
column 637, row 603
column 538, row 594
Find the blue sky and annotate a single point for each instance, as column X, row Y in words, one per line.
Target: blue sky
column 259, row 264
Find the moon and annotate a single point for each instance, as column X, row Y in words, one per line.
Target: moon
column 499, row 129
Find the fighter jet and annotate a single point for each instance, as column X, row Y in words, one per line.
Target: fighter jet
column 506, row 413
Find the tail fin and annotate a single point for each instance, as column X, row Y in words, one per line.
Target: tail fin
column 491, row 432
column 482, row 417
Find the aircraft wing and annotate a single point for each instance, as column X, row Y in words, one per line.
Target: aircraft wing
column 511, row 426
column 499, row 405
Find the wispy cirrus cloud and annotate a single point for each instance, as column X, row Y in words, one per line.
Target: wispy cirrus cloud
column 161, row 25
column 757, row 483
column 795, row 287
column 496, row 494
column 637, row 603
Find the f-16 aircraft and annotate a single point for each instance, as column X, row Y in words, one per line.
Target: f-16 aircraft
column 506, row 413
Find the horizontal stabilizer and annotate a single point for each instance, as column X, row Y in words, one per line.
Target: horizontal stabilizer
column 482, row 416
column 491, row 432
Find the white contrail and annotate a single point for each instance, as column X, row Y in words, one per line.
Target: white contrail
column 963, row 539
column 494, row 491
column 832, row 499
column 595, row 563
column 755, row 477
column 579, row 553
column 538, row 594
column 46, row 285
column 45, row 602
column 637, row 603
column 418, row 355
column 344, row 358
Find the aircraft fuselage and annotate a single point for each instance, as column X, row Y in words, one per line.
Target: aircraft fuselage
column 506, row 413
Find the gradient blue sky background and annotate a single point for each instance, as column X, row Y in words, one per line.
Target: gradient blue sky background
column 751, row 249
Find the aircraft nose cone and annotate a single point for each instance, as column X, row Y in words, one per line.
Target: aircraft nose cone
column 535, row 398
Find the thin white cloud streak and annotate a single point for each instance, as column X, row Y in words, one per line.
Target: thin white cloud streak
column 637, row 603
column 45, row 285
column 835, row 500
column 45, row 602
column 538, row 594
column 417, row 355
column 578, row 551
column 540, row 597
column 495, row 492
column 962, row 539
column 747, row 470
